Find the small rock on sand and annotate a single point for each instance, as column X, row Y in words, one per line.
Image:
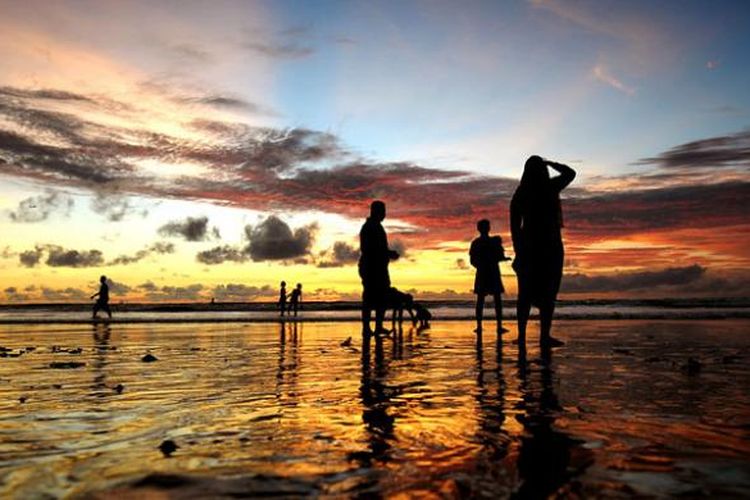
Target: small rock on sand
column 168, row 447
column 119, row 388
column 347, row 342
column 149, row 358
column 66, row 364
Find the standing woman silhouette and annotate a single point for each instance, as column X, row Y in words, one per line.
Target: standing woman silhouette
column 535, row 224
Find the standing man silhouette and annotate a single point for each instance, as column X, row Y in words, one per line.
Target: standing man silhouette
column 373, row 268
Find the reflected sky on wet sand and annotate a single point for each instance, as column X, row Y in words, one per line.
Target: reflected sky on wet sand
column 294, row 409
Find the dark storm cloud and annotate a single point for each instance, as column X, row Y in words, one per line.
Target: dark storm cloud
column 39, row 208
column 191, row 228
column 716, row 152
column 158, row 248
column 626, row 281
column 169, row 292
column 60, row 257
column 273, row 239
column 221, row 254
column 31, row 258
column 341, row 254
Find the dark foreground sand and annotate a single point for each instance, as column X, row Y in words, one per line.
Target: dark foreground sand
column 270, row 410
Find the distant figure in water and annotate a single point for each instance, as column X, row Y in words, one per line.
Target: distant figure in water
column 535, row 225
column 295, row 299
column 373, row 268
column 282, row 298
column 485, row 255
column 102, row 303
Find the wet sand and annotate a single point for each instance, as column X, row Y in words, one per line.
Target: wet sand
column 270, row 410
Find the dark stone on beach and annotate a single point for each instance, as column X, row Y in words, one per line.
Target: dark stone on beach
column 66, row 364
column 30, row 348
column 622, row 350
column 168, row 447
column 163, row 481
column 149, row 358
column 119, row 388
column 77, row 350
column 655, row 359
column 347, row 342
column 692, row 367
column 4, row 349
column 57, row 386
column 22, row 399
column 730, row 359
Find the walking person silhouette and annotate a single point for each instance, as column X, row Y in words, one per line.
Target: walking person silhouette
column 295, row 299
column 485, row 254
column 535, row 225
column 102, row 303
column 373, row 268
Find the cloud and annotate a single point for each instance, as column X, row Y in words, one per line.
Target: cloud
column 290, row 50
column 69, row 294
column 726, row 151
column 58, row 256
column 461, row 264
column 273, row 239
column 221, row 254
column 30, row 258
column 39, row 208
column 636, row 280
column 341, row 254
column 117, row 288
column 603, row 74
column 192, row 229
column 169, row 292
column 159, row 248
column 61, row 257
column 240, row 293
column 112, row 206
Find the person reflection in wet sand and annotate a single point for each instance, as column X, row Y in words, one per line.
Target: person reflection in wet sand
column 102, row 302
column 494, row 439
column 376, row 396
column 535, row 225
column 101, row 349
column 373, row 268
column 548, row 459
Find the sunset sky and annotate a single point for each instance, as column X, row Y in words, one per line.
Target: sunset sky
column 191, row 150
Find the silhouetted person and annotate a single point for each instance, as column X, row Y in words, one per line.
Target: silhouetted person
column 535, row 224
column 485, row 255
column 373, row 267
column 282, row 298
column 295, row 299
column 102, row 303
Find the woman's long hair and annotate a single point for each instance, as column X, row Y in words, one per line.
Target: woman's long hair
column 535, row 186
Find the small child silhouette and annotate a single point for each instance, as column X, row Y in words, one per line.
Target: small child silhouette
column 485, row 255
column 102, row 303
column 295, row 298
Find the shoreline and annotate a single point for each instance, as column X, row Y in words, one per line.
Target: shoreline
column 352, row 319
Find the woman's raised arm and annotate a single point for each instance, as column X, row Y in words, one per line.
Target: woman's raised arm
column 566, row 176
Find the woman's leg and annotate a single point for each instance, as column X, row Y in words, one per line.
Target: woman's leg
column 523, row 307
column 499, row 313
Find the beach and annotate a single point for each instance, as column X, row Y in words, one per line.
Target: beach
column 644, row 407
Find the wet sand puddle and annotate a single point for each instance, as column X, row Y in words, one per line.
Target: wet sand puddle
column 626, row 407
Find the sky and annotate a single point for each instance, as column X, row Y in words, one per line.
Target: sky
column 198, row 150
